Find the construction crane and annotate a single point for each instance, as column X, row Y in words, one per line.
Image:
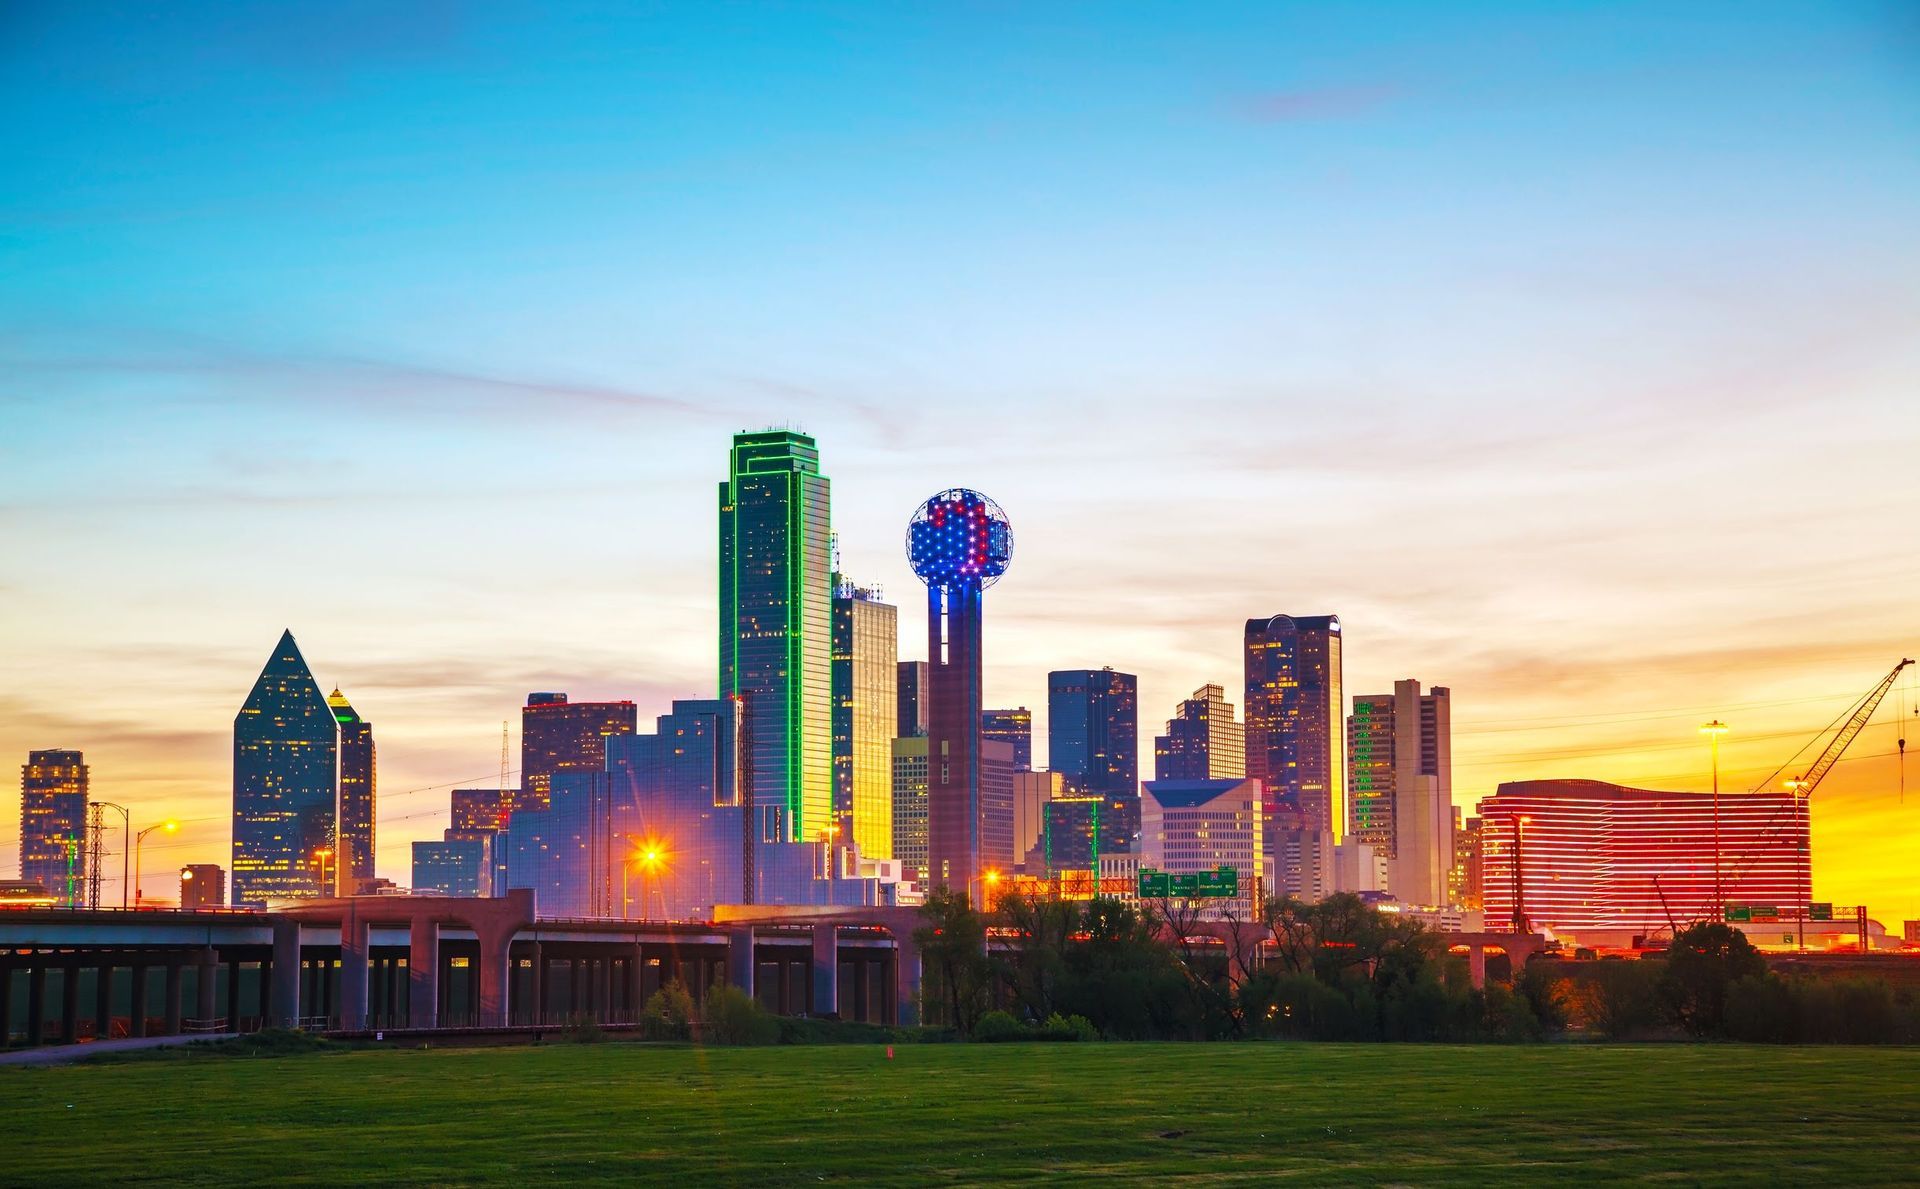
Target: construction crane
column 1856, row 722
column 1810, row 778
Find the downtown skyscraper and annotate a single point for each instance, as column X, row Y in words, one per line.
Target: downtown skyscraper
column 286, row 784
column 776, row 627
column 1400, row 780
column 866, row 669
column 558, row 736
column 1203, row 740
column 1296, row 719
column 53, row 823
column 1093, row 740
column 358, row 785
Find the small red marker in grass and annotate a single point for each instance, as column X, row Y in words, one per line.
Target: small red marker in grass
column 889, row 1052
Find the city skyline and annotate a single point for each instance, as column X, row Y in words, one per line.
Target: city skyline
column 1606, row 471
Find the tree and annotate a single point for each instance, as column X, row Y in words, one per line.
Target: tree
column 953, row 951
column 1038, row 931
column 1702, row 961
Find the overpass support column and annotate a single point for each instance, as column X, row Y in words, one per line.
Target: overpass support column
column 36, row 1001
column 826, row 970
column 496, row 977
column 355, row 941
column 6, row 1004
column 172, row 1003
column 906, row 982
column 537, row 988
column 70, row 1002
column 423, row 974
column 103, row 1002
column 1477, row 965
column 740, row 957
column 137, row 1001
column 206, row 988
column 286, row 974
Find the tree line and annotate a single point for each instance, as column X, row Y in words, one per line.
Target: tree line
column 1339, row 969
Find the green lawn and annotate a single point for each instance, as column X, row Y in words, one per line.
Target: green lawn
column 955, row 1113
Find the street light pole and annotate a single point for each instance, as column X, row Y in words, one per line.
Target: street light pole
column 1713, row 731
column 1799, row 790
column 169, row 826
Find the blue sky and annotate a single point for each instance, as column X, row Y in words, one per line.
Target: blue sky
column 1569, row 354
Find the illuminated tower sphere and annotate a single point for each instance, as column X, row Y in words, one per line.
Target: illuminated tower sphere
column 959, row 543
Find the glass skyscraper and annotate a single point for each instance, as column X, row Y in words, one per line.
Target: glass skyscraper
column 913, row 682
column 1013, row 727
column 53, row 823
column 1093, row 728
column 866, row 651
column 1203, row 740
column 561, row 736
column 357, row 795
column 1296, row 720
column 776, row 626
column 286, row 783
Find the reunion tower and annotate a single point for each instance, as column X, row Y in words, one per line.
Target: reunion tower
column 959, row 543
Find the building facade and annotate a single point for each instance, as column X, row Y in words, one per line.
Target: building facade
column 679, row 822
column 1031, row 792
column 1093, row 729
column 1204, row 741
column 450, row 867
column 776, row 625
column 913, row 700
column 202, row 885
column 1400, row 787
column 1190, row 826
column 1013, row 727
column 561, row 736
column 1583, row 854
column 53, row 823
column 1296, row 717
column 286, row 785
column 866, row 668
column 910, row 803
column 358, row 795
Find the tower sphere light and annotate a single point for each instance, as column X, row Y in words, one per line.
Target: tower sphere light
column 957, row 537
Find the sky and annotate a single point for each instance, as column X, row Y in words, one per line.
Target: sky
column 1568, row 353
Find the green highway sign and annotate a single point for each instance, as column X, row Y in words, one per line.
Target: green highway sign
column 1191, row 885
column 1738, row 913
column 1820, row 912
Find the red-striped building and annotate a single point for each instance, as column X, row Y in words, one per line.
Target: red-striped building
column 1593, row 855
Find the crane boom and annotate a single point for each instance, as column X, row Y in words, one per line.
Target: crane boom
column 1855, row 723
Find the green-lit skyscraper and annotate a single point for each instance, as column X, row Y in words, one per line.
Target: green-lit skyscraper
column 776, row 626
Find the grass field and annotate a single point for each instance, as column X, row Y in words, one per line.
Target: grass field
column 962, row 1113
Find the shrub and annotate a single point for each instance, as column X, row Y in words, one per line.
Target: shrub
column 996, row 1026
column 1058, row 1027
column 730, row 1016
column 1548, row 996
column 1760, row 1008
column 1626, row 998
column 582, row 1029
column 668, row 1014
column 1701, row 963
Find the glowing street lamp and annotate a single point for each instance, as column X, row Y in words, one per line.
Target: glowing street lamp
column 1801, row 790
column 169, row 826
column 1713, row 731
column 648, row 856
